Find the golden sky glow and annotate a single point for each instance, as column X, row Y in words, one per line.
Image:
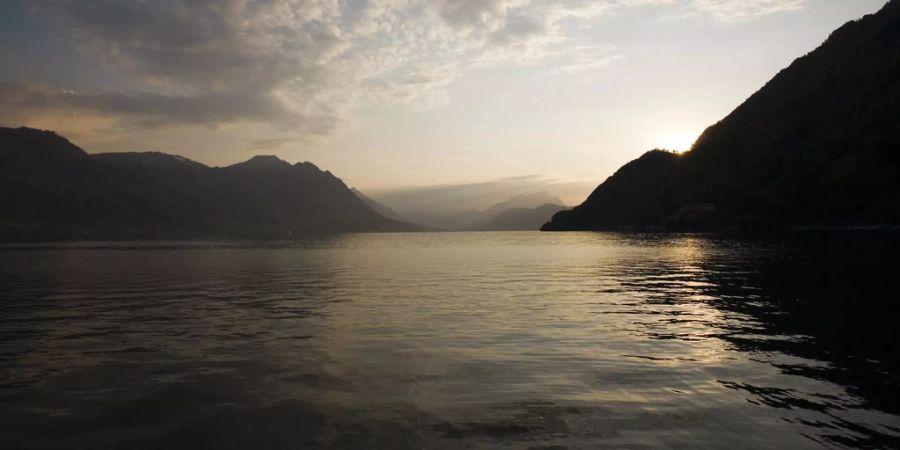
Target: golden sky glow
column 400, row 92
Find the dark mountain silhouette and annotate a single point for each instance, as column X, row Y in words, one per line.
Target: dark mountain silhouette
column 51, row 189
column 817, row 146
column 380, row 208
column 148, row 161
column 522, row 219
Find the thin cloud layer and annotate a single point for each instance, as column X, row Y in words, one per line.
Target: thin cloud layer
column 742, row 10
column 303, row 66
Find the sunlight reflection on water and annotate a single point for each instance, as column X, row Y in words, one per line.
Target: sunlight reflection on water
column 444, row 340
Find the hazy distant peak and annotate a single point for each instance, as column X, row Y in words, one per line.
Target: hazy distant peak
column 531, row 200
column 522, row 218
column 537, row 196
column 376, row 206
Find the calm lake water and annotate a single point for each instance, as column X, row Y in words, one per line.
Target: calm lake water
column 452, row 340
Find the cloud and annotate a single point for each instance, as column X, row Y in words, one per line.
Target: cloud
column 219, row 43
column 206, row 63
column 743, row 10
column 149, row 110
column 587, row 58
column 481, row 15
column 269, row 143
column 522, row 177
column 303, row 66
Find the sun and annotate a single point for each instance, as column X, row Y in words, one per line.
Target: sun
column 679, row 141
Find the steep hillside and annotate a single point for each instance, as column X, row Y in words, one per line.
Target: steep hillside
column 51, row 189
column 380, row 208
column 816, row 146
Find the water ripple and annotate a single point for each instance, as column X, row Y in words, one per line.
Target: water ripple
column 485, row 340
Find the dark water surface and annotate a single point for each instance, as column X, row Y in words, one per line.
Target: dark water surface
column 452, row 340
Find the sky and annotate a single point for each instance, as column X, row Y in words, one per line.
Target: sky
column 396, row 93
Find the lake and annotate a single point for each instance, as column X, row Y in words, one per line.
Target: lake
column 452, row 340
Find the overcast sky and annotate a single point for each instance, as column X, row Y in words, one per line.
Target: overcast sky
column 399, row 92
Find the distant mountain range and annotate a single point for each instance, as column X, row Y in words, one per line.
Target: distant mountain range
column 817, row 146
column 51, row 189
column 521, row 219
column 521, row 212
column 523, row 201
column 377, row 207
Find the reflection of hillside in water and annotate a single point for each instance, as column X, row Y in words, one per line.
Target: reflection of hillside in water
column 813, row 308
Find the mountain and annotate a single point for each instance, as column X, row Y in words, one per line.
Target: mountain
column 51, row 189
column 534, row 200
column 377, row 207
column 524, row 219
column 817, row 146
column 460, row 206
column 472, row 219
column 148, row 161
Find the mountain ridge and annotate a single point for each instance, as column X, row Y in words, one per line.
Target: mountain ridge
column 814, row 147
column 52, row 189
